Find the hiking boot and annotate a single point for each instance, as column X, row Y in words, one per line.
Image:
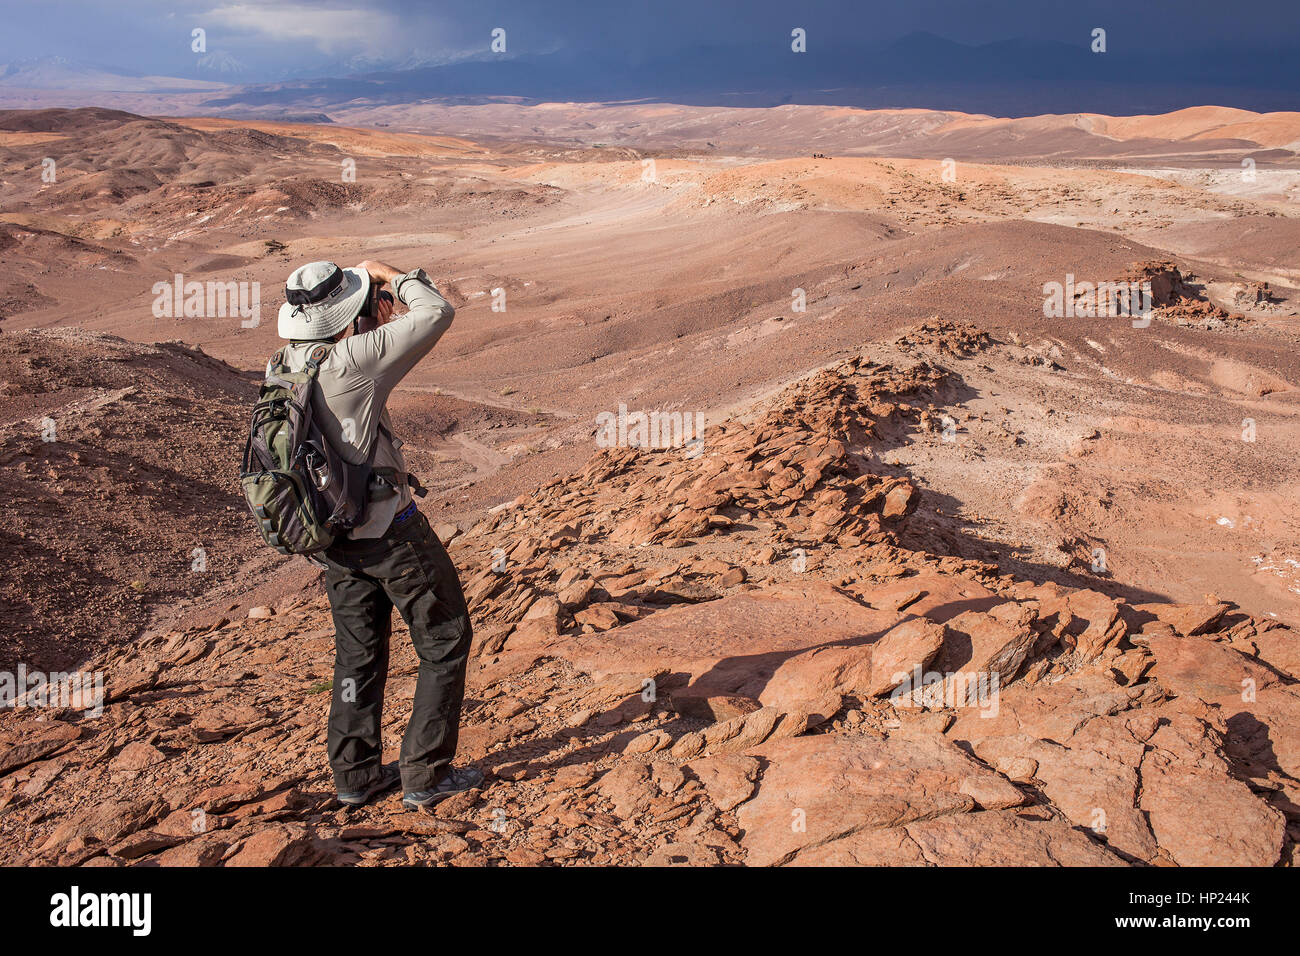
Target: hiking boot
column 456, row 781
column 388, row 777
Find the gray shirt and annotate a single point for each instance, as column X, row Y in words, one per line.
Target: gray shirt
column 360, row 373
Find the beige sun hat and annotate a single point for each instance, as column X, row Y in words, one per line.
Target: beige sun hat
column 322, row 300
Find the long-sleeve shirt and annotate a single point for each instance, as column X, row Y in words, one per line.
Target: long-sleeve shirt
column 360, row 373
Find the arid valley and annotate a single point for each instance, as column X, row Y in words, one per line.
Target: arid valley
column 903, row 464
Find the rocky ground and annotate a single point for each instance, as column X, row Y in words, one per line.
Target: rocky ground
column 115, row 460
column 683, row 654
column 694, row 655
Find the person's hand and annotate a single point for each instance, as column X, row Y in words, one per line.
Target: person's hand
column 379, row 272
column 385, row 309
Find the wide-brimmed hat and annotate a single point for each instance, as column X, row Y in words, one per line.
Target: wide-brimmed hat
column 322, row 300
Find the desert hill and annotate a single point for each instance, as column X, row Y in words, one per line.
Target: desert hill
column 115, row 458
column 762, row 592
column 1182, row 136
column 906, row 461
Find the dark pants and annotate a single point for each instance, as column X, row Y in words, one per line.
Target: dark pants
column 407, row 568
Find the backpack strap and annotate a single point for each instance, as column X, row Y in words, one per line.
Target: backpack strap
column 392, row 475
column 316, row 356
column 319, row 352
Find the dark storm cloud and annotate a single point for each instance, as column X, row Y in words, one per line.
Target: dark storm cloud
column 1013, row 56
column 152, row 35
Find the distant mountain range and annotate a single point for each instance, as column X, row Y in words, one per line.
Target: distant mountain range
column 61, row 73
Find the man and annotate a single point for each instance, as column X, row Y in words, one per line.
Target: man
column 393, row 559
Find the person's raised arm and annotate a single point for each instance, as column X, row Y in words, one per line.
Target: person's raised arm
column 389, row 352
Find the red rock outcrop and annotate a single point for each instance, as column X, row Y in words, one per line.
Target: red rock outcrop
column 722, row 657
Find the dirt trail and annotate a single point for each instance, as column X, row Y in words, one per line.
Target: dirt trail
column 484, row 459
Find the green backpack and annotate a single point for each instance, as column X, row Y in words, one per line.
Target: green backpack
column 302, row 492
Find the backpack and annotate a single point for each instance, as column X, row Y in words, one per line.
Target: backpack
column 302, row 492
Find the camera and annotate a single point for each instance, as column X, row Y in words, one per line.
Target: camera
column 367, row 319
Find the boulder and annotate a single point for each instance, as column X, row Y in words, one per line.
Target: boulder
column 733, row 645
column 1206, row 669
column 1005, row 838
column 24, row 741
column 982, row 644
column 728, row 779
column 864, row 669
column 825, row 789
column 278, row 845
column 136, row 756
column 938, row 597
column 1199, row 812
column 1188, row 620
